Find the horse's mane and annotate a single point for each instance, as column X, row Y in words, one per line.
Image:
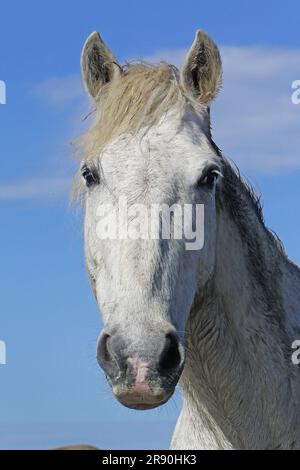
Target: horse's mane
column 236, row 190
column 137, row 98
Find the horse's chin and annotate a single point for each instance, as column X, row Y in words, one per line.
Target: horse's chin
column 143, row 405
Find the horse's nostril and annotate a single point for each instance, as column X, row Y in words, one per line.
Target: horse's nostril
column 170, row 357
column 103, row 351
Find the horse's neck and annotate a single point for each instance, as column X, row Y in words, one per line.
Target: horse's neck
column 238, row 370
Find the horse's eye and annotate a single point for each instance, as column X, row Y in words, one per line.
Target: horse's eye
column 91, row 177
column 209, row 177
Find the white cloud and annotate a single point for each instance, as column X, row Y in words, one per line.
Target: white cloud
column 60, row 91
column 39, row 188
column 256, row 122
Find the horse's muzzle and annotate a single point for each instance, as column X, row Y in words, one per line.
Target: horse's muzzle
column 141, row 377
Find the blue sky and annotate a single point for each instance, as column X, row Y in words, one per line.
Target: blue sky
column 52, row 391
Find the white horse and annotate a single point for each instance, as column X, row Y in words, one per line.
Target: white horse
column 222, row 318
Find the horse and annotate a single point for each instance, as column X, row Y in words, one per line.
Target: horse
column 218, row 319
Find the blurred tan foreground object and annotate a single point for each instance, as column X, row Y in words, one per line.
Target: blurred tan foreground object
column 77, row 447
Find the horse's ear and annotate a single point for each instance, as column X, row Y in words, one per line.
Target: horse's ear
column 201, row 74
column 98, row 64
